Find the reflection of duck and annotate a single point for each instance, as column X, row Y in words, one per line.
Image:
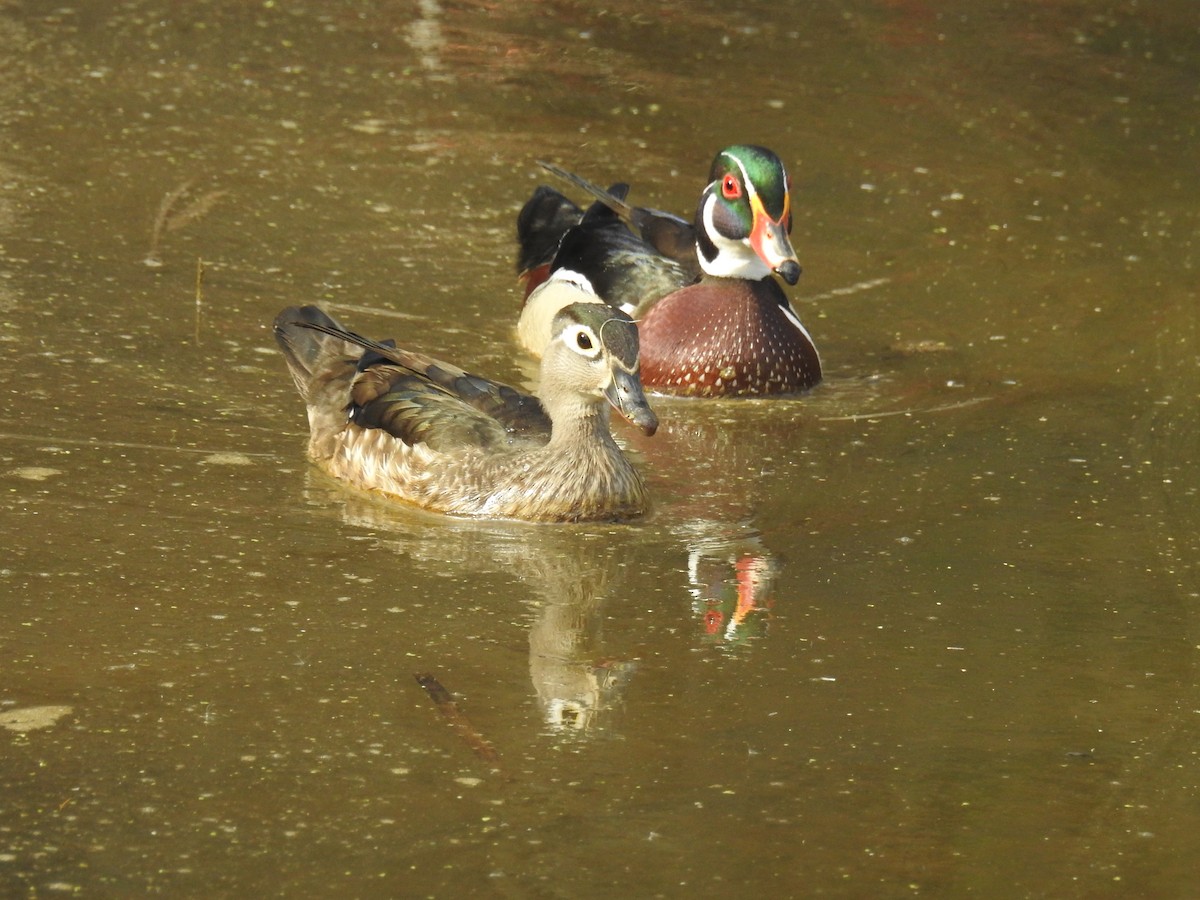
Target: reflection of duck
column 713, row 321
column 709, row 481
column 424, row 34
column 702, row 465
column 429, row 433
column 731, row 583
column 575, row 682
column 569, row 571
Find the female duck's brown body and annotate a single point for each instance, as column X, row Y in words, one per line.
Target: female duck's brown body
column 580, row 474
column 433, row 435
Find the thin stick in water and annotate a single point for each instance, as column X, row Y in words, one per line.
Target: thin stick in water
column 199, row 295
column 461, row 724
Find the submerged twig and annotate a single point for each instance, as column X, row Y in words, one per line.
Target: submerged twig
column 199, row 295
column 197, row 209
column 912, row 411
column 448, row 708
column 855, row 288
column 160, row 221
column 51, row 440
column 172, row 218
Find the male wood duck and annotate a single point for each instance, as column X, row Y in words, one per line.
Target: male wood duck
column 713, row 319
column 427, row 432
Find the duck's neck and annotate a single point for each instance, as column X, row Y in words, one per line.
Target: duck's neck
column 581, row 473
column 582, row 431
column 582, row 444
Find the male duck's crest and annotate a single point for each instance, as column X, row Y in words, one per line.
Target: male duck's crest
column 430, row 433
column 713, row 320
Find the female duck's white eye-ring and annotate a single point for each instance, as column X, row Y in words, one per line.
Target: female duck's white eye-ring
column 582, row 340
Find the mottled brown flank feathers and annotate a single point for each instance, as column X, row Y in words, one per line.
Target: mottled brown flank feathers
column 726, row 337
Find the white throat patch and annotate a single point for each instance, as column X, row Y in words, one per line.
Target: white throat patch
column 735, row 259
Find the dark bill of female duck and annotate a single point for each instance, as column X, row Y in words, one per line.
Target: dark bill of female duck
column 745, row 217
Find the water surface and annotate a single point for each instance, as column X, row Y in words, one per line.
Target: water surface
column 930, row 630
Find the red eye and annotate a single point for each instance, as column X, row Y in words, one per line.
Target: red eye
column 730, row 188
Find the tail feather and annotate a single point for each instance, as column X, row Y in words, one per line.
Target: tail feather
column 313, row 356
column 673, row 237
column 323, row 366
column 540, row 225
column 614, row 200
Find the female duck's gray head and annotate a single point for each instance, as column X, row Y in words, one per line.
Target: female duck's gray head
column 600, row 333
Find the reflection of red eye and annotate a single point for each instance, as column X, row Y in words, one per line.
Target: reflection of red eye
column 730, row 188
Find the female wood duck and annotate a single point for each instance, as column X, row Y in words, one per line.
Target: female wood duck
column 713, row 320
column 426, row 432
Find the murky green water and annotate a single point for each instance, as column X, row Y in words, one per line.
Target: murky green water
column 931, row 631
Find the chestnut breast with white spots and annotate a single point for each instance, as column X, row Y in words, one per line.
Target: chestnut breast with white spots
column 727, row 337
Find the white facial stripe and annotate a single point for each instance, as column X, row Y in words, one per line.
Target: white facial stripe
column 751, row 192
column 735, row 259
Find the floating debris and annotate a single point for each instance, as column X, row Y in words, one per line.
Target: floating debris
column 919, row 345
column 34, row 473
column 370, row 126
column 179, row 208
column 31, row 718
column 227, row 458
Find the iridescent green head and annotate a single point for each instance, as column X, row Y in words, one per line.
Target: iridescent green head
column 745, row 216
